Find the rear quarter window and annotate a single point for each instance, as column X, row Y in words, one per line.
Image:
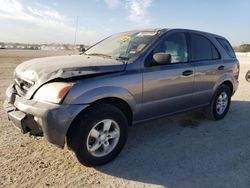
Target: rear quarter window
column 227, row 46
column 202, row 49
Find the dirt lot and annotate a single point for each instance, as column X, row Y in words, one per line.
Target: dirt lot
column 180, row 151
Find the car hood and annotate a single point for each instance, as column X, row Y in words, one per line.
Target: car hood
column 66, row 66
column 41, row 70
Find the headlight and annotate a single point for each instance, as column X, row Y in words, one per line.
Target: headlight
column 53, row 92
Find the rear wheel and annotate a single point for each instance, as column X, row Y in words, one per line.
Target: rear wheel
column 220, row 103
column 98, row 135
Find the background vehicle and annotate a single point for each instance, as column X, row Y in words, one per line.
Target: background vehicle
column 248, row 76
column 131, row 77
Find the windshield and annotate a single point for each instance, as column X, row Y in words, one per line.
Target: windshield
column 124, row 45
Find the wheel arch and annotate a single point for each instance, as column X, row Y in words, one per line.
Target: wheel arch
column 117, row 102
column 221, row 82
column 229, row 84
column 227, row 80
column 116, row 96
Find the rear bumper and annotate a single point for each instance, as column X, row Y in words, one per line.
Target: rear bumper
column 235, row 86
column 40, row 118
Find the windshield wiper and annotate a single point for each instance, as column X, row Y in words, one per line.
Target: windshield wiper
column 122, row 58
column 103, row 55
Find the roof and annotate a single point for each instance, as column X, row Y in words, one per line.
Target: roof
column 163, row 30
column 197, row 31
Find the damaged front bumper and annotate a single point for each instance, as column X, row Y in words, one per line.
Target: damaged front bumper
column 41, row 118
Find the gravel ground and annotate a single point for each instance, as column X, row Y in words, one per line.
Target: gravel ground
column 186, row 150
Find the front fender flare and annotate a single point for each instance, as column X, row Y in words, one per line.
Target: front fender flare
column 95, row 94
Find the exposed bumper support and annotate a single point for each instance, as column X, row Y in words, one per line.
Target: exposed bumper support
column 51, row 120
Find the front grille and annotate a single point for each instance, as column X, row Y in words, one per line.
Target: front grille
column 22, row 86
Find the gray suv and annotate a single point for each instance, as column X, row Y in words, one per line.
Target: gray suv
column 89, row 100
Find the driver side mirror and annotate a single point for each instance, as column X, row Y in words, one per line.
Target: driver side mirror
column 248, row 76
column 162, row 58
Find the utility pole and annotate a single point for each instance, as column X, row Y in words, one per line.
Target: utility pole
column 76, row 30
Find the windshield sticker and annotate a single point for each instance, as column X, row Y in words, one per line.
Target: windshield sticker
column 124, row 38
column 146, row 33
column 132, row 51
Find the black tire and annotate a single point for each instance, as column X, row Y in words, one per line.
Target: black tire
column 80, row 129
column 248, row 76
column 211, row 111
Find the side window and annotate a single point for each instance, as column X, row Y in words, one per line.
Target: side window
column 226, row 45
column 203, row 49
column 176, row 46
column 215, row 52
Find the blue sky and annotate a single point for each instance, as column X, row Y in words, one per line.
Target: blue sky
column 47, row 21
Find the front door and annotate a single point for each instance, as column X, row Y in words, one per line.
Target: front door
column 168, row 88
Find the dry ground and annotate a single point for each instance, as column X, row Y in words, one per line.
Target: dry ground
column 180, row 151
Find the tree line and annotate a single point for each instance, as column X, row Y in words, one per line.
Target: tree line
column 242, row 48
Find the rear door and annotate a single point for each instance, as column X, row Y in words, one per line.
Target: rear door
column 208, row 67
column 168, row 88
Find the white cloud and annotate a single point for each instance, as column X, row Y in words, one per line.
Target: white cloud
column 45, row 22
column 138, row 11
column 48, row 13
column 10, row 6
column 13, row 9
column 40, row 23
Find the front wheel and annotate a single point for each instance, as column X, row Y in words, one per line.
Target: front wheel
column 98, row 135
column 220, row 103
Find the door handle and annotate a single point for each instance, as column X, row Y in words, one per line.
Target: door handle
column 187, row 73
column 221, row 67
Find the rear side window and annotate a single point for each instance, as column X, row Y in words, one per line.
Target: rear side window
column 202, row 49
column 227, row 46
